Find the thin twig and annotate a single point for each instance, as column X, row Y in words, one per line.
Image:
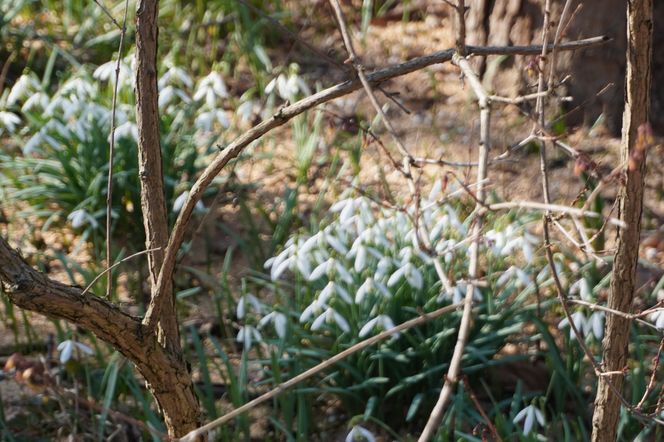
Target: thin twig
column 193, row 435
column 108, row 269
column 111, row 149
column 109, row 15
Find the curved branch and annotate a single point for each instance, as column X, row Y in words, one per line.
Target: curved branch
column 166, row 373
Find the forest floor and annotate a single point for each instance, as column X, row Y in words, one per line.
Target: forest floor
column 443, row 122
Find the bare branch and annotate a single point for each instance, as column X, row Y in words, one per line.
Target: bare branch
column 318, row 368
column 111, row 147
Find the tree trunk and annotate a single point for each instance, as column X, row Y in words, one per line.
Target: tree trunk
column 633, row 146
column 166, row 373
column 597, row 74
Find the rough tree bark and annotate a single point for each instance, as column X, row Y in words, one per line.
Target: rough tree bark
column 153, row 205
column 166, row 374
column 635, row 119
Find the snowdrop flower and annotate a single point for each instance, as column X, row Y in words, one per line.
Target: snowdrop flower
column 206, row 120
column 77, row 88
column 167, row 95
column 458, row 293
column 33, row 144
column 248, row 335
column 211, row 87
column 658, row 319
column 330, row 316
column 358, row 434
column 66, row 349
column 579, row 320
column 245, row 111
column 241, row 308
column 334, row 241
column 80, row 217
column 530, row 414
column 582, row 288
column 326, row 267
column 312, row 309
column 278, row 320
column 410, row 272
column 595, row 325
column 9, row 121
column 22, row 88
column 175, row 75
column 106, row 72
column 37, row 99
column 381, row 321
column 330, row 289
column 522, row 279
column 178, row 204
column 126, row 130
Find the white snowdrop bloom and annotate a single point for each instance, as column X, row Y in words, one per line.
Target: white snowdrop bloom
column 334, row 242
column 360, row 259
column 382, row 289
column 511, row 245
column 458, row 293
column 241, row 308
column 67, row 347
column 343, row 273
column 206, row 120
column 22, row 88
column 347, row 212
column 359, row 434
column 211, row 88
column 579, row 320
column 80, row 217
column 381, row 321
column 312, row 309
column 38, row 99
column 522, row 279
column 245, row 111
column 435, row 190
column 166, row 95
column 343, row 294
column 248, row 335
column 324, row 268
column 339, row 205
column 9, row 121
column 330, row 316
column 529, row 415
column 310, row 243
column 303, row 264
column 178, row 204
column 60, row 128
column 33, row 144
column 383, row 267
column 657, row 318
column 326, row 293
column 78, row 88
column 366, row 287
column 437, row 229
column 278, row 320
column 527, row 250
column 270, row 86
column 126, row 130
column 595, row 325
column 105, row 72
column 408, row 271
column 175, row 75
column 582, row 288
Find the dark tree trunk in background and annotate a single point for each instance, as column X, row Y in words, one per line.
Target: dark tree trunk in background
column 600, row 69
